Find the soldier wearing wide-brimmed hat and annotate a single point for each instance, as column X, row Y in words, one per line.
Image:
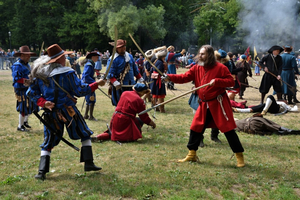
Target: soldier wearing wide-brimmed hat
column 20, row 71
column 54, row 88
column 271, row 63
column 122, row 71
column 88, row 77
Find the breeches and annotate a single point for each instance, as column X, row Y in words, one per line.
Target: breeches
column 231, row 136
column 58, row 119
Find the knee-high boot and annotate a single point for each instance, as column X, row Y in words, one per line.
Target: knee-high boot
column 295, row 98
column 43, row 168
column 262, row 98
column 86, row 156
column 162, row 107
column 92, row 106
column 86, row 116
column 290, row 97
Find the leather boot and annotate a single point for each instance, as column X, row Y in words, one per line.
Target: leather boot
column 214, row 135
column 240, row 159
column 86, row 156
column 262, row 98
column 154, row 103
column 190, row 157
column 92, row 106
column 86, row 116
column 43, row 168
column 295, row 98
column 290, row 99
column 162, row 107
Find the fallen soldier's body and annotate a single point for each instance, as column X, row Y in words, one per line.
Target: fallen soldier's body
column 271, row 106
column 261, row 126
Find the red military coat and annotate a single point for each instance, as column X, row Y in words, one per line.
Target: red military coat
column 200, row 75
column 124, row 123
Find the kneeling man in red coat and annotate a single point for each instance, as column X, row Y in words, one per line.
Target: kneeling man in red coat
column 124, row 125
column 214, row 109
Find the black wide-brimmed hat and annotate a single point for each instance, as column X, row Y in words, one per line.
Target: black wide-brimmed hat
column 93, row 53
column 275, row 47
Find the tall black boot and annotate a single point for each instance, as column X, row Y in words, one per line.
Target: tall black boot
column 262, row 98
column 295, row 98
column 43, row 168
column 86, row 156
column 214, row 135
column 92, row 106
column 86, row 116
column 290, row 99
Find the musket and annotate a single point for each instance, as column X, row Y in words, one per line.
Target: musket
column 146, row 56
column 55, row 132
column 293, row 89
column 113, row 54
column 181, row 95
column 249, row 86
column 104, row 93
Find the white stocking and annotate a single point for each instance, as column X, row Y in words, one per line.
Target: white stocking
column 243, row 110
column 21, row 120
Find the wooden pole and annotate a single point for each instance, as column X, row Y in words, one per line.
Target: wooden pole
column 174, row 98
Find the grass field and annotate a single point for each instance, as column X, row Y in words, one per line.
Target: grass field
column 147, row 169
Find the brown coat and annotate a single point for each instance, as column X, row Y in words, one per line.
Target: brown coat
column 257, row 125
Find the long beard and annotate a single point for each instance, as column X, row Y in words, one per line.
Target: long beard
column 201, row 63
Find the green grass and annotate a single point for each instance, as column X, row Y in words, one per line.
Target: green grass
column 147, row 169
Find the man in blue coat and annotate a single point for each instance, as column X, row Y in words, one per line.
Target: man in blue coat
column 122, row 71
column 20, row 71
column 88, row 77
column 289, row 68
column 54, row 88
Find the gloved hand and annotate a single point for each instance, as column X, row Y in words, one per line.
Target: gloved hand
column 117, row 85
column 141, row 80
column 165, row 78
column 152, row 124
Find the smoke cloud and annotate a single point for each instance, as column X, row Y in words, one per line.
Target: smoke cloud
column 270, row 22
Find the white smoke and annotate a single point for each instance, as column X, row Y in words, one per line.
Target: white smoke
column 270, row 22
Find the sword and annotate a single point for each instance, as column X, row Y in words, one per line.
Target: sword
column 54, row 131
column 104, row 93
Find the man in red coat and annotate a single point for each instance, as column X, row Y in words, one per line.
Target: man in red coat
column 214, row 109
column 124, row 125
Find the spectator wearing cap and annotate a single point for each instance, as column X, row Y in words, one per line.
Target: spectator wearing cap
column 20, row 73
column 243, row 74
column 122, row 71
column 88, row 77
column 271, row 63
column 124, row 125
column 289, row 69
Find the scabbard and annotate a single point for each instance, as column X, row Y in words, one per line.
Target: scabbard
column 54, row 131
